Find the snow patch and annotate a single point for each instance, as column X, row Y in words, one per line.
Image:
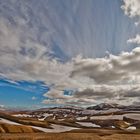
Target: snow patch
column 131, row 128
column 81, row 118
column 88, row 124
column 8, row 121
column 22, row 115
column 56, row 128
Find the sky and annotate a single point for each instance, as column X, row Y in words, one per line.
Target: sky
column 69, row 52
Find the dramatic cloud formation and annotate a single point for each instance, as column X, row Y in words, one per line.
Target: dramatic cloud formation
column 113, row 78
column 110, row 70
column 123, row 94
column 42, row 41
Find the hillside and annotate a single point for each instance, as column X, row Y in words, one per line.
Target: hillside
column 10, row 128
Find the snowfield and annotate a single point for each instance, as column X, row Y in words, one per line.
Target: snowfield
column 119, row 117
column 56, row 128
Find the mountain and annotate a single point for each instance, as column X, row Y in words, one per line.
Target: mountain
column 61, row 108
column 105, row 106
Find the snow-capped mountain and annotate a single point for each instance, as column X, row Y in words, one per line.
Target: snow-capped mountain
column 106, row 106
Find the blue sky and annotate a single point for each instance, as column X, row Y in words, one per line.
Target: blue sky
column 48, row 46
column 23, row 94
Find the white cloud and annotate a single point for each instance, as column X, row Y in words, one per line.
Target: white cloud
column 113, row 78
column 122, row 94
column 120, row 69
column 2, row 106
column 131, row 8
column 34, row 98
column 137, row 23
column 135, row 40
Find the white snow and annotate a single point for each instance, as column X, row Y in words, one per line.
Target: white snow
column 45, row 115
column 131, row 128
column 42, row 119
column 61, row 119
column 56, row 128
column 133, row 116
column 92, row 112
column 65, row 116
column 105, row 117
column 22, row 115
column 88, row 124
column 81, row 118
column 54, row 117
column 119, row 117
column 8, row 121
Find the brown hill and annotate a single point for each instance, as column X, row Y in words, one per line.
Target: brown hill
column 8, row 128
